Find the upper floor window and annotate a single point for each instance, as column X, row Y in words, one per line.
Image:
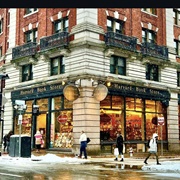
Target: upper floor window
column 178, row 79
column 31, row 36
column 27, row 72
column 118, row 65
column 1, row 25
column 61, row 25
column 57, row 66
column 148, row 36
column 177, row 47
column 115, row 25
column 1, row 51
column 150, row 10
column 152, row 72
column 176, row 16
column 30, row 10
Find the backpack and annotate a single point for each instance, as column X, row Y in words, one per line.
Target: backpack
column 88, row 140
column 148, row 144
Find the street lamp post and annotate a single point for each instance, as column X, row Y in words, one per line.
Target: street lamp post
column 2, row 102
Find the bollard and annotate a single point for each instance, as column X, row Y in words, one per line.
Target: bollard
column 131, row 152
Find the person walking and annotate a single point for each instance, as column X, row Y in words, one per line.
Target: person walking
column 119, row 145
column 6, row 140
column 38, row 140
column 153, row 148
column 83, row 144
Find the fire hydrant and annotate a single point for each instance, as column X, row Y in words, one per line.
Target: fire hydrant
column 131, row 152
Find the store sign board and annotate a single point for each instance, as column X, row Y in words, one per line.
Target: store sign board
column 71, row 92
column 161, row 121
column 62, row 119
column 100, row 92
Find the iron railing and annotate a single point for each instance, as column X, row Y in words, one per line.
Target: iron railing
column 151, row 49
column 121, row 41
column 56, row 40
column 28, row 49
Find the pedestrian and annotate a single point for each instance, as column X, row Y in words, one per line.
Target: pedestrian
column 83, row 144
column 38, row 140
column 6, row 140
column 153, row 148
column 119, row 145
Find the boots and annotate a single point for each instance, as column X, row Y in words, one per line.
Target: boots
column 122, row 158
column 116, row 159
column 145, row 161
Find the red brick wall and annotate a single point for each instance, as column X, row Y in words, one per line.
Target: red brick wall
column 134, row 19
column 43, row 18
column 5, row 34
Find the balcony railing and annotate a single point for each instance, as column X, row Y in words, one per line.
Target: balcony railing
column 28, row 49
column 121, row 41
column 154, row 50
column 56, row 40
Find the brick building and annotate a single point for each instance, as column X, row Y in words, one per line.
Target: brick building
column 103, row 71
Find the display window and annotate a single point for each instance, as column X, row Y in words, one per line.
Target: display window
column 26, row 120
column 61, row 123
column 133, row 117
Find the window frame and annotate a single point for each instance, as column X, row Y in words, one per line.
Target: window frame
column 30, row 10
column 150, row 75
column 176, row 16
column 64, row 25
column 117, row 67
column 146, row 33
column 1, row 25
column 33, row 33
column 150, row 10
column 177, row 46
column 27, row 76
column 178, row 78
column 60, row 68
column 114, row 22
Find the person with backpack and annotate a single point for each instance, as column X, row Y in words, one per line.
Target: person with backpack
column 119, row 145
column 153, row 148
column 6, row 140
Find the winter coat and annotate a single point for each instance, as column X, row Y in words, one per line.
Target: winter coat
column 38, row 137
column 119, row 143
column 83, row 140
column 153, row 143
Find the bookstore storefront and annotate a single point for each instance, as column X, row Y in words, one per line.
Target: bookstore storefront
column 54, row 119
column 133, row 111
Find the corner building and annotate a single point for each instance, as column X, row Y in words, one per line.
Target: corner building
column 103, row 71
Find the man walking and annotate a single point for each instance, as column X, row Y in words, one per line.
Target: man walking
column 119, row 145
column 153, row 148
column 83, row 144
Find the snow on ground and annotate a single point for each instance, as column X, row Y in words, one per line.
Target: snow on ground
column 166, row 166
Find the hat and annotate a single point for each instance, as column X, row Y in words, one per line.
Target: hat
column 155, row 135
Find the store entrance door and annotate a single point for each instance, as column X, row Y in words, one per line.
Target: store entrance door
column 41, row 126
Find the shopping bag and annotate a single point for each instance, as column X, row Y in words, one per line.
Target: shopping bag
column 116, row 152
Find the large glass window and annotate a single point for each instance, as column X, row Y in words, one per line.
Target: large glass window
column 27, row 72
column 152, row 72
column 118, row 65
column 178, row 79
column 61, row 123
column 1, row 51
column 57, row 66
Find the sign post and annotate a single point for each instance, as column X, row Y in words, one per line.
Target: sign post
column 161, row 123
column 21, row 107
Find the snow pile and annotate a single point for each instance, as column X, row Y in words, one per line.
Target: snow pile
column 52, row 158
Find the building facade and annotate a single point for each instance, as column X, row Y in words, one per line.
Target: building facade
column 103, row 71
